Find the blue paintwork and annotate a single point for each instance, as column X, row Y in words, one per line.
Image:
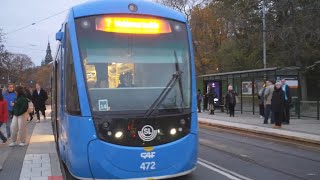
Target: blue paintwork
column 84, row 103
column 80, row 131
column 114, row 161
column 121, row 7
column 88, row 157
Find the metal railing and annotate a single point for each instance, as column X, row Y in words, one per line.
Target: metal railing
column 308, row 109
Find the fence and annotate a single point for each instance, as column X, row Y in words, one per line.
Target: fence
column 308, row 109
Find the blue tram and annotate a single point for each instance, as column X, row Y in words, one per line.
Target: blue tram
column 124, row 98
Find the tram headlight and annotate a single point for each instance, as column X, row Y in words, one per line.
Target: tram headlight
column 173, row 131
column 180, row 129
column 109, row 133
column 182, row 121
column 118, row 135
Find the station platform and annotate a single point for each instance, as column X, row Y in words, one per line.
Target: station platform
column 38, row 160
column 305, row 130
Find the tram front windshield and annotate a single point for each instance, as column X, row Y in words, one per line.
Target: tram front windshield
column 135, row 63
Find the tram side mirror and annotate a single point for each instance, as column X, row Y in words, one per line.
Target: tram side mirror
column 59, row 36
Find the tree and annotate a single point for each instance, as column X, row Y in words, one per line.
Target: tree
column 3, row 55
column 184, row 6
column 15, row 65
column 294, row 33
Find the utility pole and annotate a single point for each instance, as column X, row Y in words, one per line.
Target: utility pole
column 264, row 34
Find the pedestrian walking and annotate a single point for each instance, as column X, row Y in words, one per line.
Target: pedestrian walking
column 10, row 97
column 231, row 100
column 211, row 96
column 267, row 100
column 20, row 115
column 3, row 115
column 29, row 96
column 39, row 97
column 199, row 100
column 288, row 100
column 277, row 104
column 261, row 100
column 205, row 102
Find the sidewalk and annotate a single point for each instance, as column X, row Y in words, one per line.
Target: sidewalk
column 299, row 129
column 37, row 161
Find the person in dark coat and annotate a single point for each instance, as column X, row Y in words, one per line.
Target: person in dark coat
column 39, row 97
column 211, row 96
column 288, row 100
column 205, row 102
column 277, row 104
column 231, row 100
column 199, row 100
column 29, row 96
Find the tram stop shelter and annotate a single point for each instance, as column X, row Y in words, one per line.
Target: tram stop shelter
column 247, row 85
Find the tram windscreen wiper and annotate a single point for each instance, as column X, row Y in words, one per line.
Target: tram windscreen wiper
column 175, row 77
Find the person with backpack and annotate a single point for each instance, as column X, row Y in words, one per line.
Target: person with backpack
column 20, row 115
column 10, row 97
column 199, row 100
column 3, row 115
column 231, row 100
column 261, row 100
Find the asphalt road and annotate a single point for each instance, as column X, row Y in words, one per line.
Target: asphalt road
column 228, row 155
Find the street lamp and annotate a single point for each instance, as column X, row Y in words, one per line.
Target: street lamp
column 264, row 34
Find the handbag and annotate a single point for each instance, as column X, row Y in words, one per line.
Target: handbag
column 30, row 107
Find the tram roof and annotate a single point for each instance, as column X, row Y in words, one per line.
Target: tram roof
column 98, row 7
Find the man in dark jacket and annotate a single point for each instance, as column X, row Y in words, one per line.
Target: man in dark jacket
column 211, row 96
column 39, row 97
column 287, row 93
column 199, row 100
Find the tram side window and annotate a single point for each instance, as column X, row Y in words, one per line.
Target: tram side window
column 71, row 90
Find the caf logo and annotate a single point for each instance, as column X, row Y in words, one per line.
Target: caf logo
column 147, row 133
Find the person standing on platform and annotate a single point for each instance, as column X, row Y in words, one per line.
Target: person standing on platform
column 231, row 100
column 267, row 100
column 199, row 100
column 10, row 97
column 288, row 100
column 261, row 100
column 277, row 104
column 3, row 115
column 20, row 115
column 211, row 96
column 205, row 102
column 39, row 97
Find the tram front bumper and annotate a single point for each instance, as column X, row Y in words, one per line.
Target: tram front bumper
column 109, row 161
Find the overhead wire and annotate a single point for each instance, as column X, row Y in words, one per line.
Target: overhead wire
column 34, row 23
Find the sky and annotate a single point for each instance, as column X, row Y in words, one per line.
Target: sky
column 33, row 40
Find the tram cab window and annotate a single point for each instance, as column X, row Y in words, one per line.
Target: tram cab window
column 129, row 71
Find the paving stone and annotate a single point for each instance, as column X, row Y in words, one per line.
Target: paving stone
column 39, row 178
column 46, row 173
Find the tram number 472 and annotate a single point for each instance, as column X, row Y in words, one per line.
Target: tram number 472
column 148, row 166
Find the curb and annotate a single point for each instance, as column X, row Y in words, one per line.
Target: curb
column 315, row 140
